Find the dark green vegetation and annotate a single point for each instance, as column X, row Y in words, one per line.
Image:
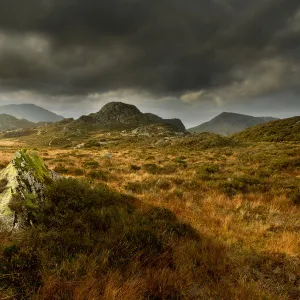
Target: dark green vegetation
column 205, row 140
column 229, row 123
column 276, row 131
column 78, row 226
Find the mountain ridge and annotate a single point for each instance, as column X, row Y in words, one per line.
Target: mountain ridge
column 8, row 122
column 117, row 118
column 30, row 112
column 228, row 123
column 284, row 130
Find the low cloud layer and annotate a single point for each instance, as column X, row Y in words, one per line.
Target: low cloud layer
column 186, row 53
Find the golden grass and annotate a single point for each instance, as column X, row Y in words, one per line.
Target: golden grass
column 258, row 231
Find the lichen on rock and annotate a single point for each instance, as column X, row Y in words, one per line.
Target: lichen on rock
column 25, row 175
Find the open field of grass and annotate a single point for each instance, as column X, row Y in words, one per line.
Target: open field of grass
column 241, row 203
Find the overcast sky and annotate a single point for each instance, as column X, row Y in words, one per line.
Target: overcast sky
column 190, row 59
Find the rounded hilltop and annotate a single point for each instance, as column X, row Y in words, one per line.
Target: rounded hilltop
column 120, row 107
column 122, row 115
column 118, row 112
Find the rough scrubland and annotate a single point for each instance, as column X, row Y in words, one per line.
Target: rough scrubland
column 196, row 219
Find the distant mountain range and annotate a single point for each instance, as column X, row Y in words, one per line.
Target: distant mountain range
column 8, row 122
column 277, row 131
column 228, row 123
column 121, row 116
column 30, row 112
column 115, row 115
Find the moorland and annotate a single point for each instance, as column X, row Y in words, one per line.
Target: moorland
column 201, row 217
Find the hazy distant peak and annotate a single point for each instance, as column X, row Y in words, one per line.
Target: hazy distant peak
column 8, row 122
column 30, row 112
column 228, row 123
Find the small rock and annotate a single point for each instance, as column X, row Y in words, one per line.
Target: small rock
column 161, row 143
column 79, row 146
column 107, row 155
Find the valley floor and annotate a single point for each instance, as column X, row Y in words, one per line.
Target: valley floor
column 244, row 202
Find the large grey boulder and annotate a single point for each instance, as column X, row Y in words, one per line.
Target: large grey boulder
column 24, row 180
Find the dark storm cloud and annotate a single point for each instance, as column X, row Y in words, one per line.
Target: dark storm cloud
column 166, row 47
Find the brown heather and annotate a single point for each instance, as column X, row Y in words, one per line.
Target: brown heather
column 161, row 223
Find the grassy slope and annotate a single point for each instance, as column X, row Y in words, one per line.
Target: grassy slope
column 67, row 133
column 276, row 131
column 8, row 122
column 243, row 202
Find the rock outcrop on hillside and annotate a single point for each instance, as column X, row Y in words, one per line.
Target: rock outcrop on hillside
column 121, row 115
column 175, row 123
column 22, row 186
column 158, row 130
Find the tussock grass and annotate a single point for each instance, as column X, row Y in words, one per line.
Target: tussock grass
column 205, row 220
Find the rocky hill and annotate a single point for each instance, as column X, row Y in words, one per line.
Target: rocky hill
column 116, row 115
column 228, row 123
column 277, row 131
column 114, row 119
column 30, row 112
column 8, row 122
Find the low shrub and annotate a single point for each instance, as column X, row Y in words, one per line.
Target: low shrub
column 163, row 184
column 178, row 180
column 134, row 187
column 91, row 164
column 158, row 170
column 20, row 265
column 150, row 157
column 295, row 197
column 285, row 164
column 181, row 160
column 241, row 184
column 92, row 143
column 98, row 175
column 77, row 224
column 61, row 169
column 206, row 171
column 135, row 168
column 77, row 172
column 161, row 213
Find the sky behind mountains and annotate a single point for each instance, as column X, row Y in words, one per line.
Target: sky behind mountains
column 178, row 58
